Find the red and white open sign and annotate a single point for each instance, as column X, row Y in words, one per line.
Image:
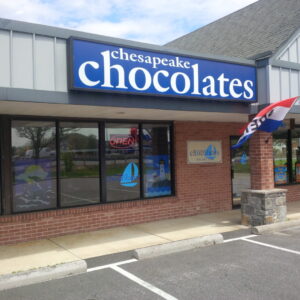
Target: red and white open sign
column 121, row 141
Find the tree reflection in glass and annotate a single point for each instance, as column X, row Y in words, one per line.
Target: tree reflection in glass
column 34, row 165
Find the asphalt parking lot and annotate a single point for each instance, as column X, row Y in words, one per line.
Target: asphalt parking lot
column 243, row 267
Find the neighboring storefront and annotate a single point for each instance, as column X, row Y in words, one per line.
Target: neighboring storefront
column 98, row 132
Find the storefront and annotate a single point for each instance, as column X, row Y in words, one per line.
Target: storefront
column 98, row 132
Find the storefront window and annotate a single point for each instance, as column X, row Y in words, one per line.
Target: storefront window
column 156, row 160
column 79, row 164
column 281, row 174
column 122, row 162
column 42, row 180
column 33, row 165
column 296, row 155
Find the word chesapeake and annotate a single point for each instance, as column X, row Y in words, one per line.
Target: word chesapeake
column 161, row 80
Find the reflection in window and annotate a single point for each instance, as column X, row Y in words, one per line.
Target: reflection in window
column 79, row 163
column 296, row 155
column 280, row 158
column 34, row 165
column 122, row 162
column 241, row 178
column 156, row 160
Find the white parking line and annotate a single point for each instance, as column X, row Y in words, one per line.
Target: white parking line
column 271, row 246
column 239, row 238
column 143, row 283
column 111, row 265
column 149, row 286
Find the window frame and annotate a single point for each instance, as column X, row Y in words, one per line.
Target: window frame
column 8, row 175
column 289, row 158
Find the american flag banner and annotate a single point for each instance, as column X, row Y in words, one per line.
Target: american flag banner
column 268, row 119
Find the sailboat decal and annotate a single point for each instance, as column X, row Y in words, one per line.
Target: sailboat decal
column 211, row 152
column 130, row 175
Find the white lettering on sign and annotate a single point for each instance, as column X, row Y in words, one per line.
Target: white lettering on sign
column 141, row 79
column 82, row 73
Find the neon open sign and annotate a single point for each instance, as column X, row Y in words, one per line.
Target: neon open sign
column 121, row 141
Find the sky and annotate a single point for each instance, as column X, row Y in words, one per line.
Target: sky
column 150, row 21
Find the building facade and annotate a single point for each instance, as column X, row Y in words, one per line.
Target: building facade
column 98, row 132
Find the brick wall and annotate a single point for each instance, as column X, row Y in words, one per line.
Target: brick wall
column 261, row 161
column 293, row 193
column 199, row 189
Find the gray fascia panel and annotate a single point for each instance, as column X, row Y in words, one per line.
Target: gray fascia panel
column 51, row 31
column 285, row 64
column 119, row 100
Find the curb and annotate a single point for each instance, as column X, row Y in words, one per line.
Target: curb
column 19, row 279
column 274, row 227
column 178, row 246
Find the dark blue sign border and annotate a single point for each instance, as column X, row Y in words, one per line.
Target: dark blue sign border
column 72, row 85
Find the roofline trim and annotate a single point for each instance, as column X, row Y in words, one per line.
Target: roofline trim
column 63, row 33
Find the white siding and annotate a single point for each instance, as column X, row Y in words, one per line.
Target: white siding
column 44, row 63
column 274, row 84
column 285, row 55
column 294, row 83
column 4, row 58
column 22, row 60
column 60, row 65
column 292, row 52
column 284, row 83
column 32, row 61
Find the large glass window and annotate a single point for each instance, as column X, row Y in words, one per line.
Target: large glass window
column 295, row 150
column 156, row 160
column 286, row 153
column 122, row 161
column 43, row 179
column 33, row 165
column 280, row 157
column 79, row 164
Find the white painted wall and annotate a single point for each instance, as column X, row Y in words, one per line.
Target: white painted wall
column 292, row 52
column 32, row 61
column 284, row 83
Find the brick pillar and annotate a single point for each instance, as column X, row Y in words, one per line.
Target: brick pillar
column 261, row 161
column 262, row 204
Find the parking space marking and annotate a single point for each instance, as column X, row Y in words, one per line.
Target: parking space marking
column 239, row 238
column 271, row 246
column 111, row 265
column 143, row 283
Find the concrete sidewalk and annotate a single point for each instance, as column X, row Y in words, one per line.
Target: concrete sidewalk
column 70, row 248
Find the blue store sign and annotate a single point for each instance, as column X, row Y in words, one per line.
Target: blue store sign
column 100, row 67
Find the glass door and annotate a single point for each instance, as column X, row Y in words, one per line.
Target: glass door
column 240, row 171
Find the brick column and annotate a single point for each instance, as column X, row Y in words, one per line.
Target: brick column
column 261, row 161
column 262, row 204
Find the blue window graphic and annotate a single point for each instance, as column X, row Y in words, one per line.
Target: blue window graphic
column 130, row 175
